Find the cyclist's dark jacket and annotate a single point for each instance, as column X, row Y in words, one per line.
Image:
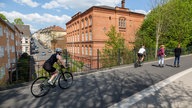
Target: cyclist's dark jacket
column 48, row 65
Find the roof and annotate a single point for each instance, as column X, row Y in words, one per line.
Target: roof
column 103, row 7
column 53, row 28
column 57, row 28
column 25, row 29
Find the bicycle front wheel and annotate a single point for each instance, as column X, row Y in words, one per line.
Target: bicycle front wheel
column 65, row 80
column 40, row 87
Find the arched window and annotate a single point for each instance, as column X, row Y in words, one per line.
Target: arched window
column 90, row 20
column 122, row 22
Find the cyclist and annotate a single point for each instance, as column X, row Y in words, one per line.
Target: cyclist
column 48, row 65
column 141, row 54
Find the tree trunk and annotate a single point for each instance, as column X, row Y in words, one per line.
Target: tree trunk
column 157, row 37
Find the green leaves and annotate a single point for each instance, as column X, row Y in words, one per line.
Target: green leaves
column 18, row 21
column 115, row 40
column 174, row 20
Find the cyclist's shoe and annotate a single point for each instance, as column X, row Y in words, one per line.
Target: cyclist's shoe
column 50, row 82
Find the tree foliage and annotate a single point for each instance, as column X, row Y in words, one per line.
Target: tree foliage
column 3, row 17
column 175, row 22
column 18, row 21
column 23, row 67
column 115, row 41
column 115, row 52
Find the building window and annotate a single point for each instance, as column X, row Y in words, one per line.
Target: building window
column 87, row 36
column 2, row 72
column 82, row 36
column 12, row 36
column 13, row 49
column 90, row 35
column 86, row 50
column 78, row 37
column 78, row 49
column 26, row 49
column 82, row 50
column 75, row 39
column 90, row 21
column 1, row 30
column 90, row 51
column 26, row 40
column 122, row 22
column 82, row 24
column 87, row 22
column 1, row 51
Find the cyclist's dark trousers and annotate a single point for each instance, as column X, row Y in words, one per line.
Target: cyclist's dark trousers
column 139, row 56
column 49, row 68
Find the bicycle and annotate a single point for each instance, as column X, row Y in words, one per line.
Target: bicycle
column 40, row 86
column 138, row 62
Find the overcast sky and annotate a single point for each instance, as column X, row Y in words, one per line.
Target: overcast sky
column 43, row 13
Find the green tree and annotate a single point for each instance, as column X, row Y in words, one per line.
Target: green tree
column 3, row 17
column 169, row 23
column 18, row 21
column 112, row 53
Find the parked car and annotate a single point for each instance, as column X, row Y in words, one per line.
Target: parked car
column 43, row 53
column 49, row 51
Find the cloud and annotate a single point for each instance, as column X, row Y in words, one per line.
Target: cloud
column 78, row 5
column 38, row 20
column 27, row 2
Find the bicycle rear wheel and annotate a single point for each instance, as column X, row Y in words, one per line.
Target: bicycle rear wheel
column 40, row 87
column 65, row 80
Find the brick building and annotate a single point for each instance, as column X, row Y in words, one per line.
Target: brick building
column 10, row 48
column 51, row 36
column 86, row 32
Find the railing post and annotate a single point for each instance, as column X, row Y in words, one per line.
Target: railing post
column 119, row 55
column 97, row 58
column 134, row 54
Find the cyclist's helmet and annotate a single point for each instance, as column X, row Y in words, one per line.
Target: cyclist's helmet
column 58, row 50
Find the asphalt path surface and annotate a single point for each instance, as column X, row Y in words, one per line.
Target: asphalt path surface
column 99, row 89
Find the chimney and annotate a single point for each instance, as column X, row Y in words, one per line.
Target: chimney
column 123, row 4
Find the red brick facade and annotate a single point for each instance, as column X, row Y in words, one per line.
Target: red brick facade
column 86, row 32
column 10, row 48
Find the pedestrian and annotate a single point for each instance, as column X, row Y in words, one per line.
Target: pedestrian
column 177, row 52
column 161, row 55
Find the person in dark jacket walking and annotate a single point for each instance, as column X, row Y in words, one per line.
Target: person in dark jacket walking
column 177, row 52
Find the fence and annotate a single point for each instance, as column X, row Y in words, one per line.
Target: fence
column 100, row 61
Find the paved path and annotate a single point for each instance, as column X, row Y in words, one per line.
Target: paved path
column 106, row 88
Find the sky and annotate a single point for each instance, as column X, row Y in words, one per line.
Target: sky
column 40, row 14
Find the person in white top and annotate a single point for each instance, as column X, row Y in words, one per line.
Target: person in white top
column 141, row 53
